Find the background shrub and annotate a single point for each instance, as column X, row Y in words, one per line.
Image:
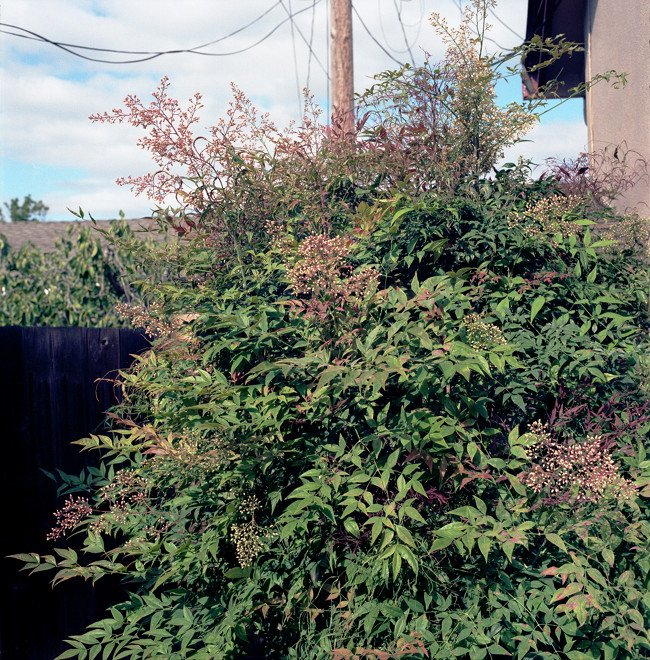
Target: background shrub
column 80, row 281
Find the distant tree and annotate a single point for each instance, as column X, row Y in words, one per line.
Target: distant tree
column 29, row 210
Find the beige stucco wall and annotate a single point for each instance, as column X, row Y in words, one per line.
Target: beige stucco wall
column 618, row 37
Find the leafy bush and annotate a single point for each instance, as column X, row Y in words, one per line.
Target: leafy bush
column 402, row 418
column 79, row 282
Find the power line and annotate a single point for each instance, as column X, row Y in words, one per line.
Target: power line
column 406, row 41
column 505, row 25
column 329, row 98
column 295, row 58
column 417, row 23
column 311, row 43
column 38, row 37
column 383, row 32
column 29, row 34
column 372, row 36
column 302, row 36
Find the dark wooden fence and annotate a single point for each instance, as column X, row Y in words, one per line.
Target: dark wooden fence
column 49, row 397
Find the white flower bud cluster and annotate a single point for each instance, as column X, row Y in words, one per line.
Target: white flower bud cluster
column 247, row 541
column 249, row 537
column 572, row 471
column 629, row 231
column 150, row 320
column 481, row 335
column 549, row 216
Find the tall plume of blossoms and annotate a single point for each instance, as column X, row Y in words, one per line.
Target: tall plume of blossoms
column 200, row 172
column 476, row 129
column 69, row 516
column 244, row 176
column 245, row 181
column 438, row 123
column 573, row 471
column 170, row 140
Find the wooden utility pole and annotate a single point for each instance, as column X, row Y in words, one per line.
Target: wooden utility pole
column 342, row 81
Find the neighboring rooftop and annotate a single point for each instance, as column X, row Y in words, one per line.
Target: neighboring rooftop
column 552, row 18
column 43, row 235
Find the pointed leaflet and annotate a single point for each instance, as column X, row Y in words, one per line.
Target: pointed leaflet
column 536, row 306
column 556, row 540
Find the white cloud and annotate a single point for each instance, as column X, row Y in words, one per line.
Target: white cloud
column 553, row 139
column 47, row 94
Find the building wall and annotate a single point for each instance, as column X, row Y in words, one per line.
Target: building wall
column 618, row 37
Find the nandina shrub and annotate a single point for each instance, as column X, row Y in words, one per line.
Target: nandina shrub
column 409, row 422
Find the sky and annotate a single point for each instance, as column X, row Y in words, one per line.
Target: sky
column 50, row 150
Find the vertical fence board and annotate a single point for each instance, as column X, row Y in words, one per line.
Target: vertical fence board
column 53, row 390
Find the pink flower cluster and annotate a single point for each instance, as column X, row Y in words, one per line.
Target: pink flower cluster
column 67, row 518
column 573, row 471
column 542, row 277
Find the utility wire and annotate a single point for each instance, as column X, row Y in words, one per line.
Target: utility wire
column 384, row 35
column 406, row 41
column 308, row 43
column 505, row 25
column 29, row 34
column 37, row 37
column 295, row 58
column 329, row 108
column 311, row 43
column 418, row 23
column 403, row 25
column 372, row 36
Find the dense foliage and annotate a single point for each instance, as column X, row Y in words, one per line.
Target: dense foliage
column 405, row 417
column 79, row 282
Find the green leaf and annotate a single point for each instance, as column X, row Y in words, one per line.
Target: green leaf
column 516, row 484
column 405, row 535
column 391, row 461
column 439, row 544
column 397, row 564
column 536, row 307
column 238, row 573
column 556, row 540
column 608, row 556
column 518, row 400
column 351, row 527
column 401, row 213
column 377, row 527
column 484, row 545
column 497, row 649
column 592, row 275
column 567, row 591
column 413, row 513
column 407, row 553
column 71, row 653
column 452, row 530
column 414, row 605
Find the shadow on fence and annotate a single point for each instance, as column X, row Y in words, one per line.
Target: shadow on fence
column 49, row 397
